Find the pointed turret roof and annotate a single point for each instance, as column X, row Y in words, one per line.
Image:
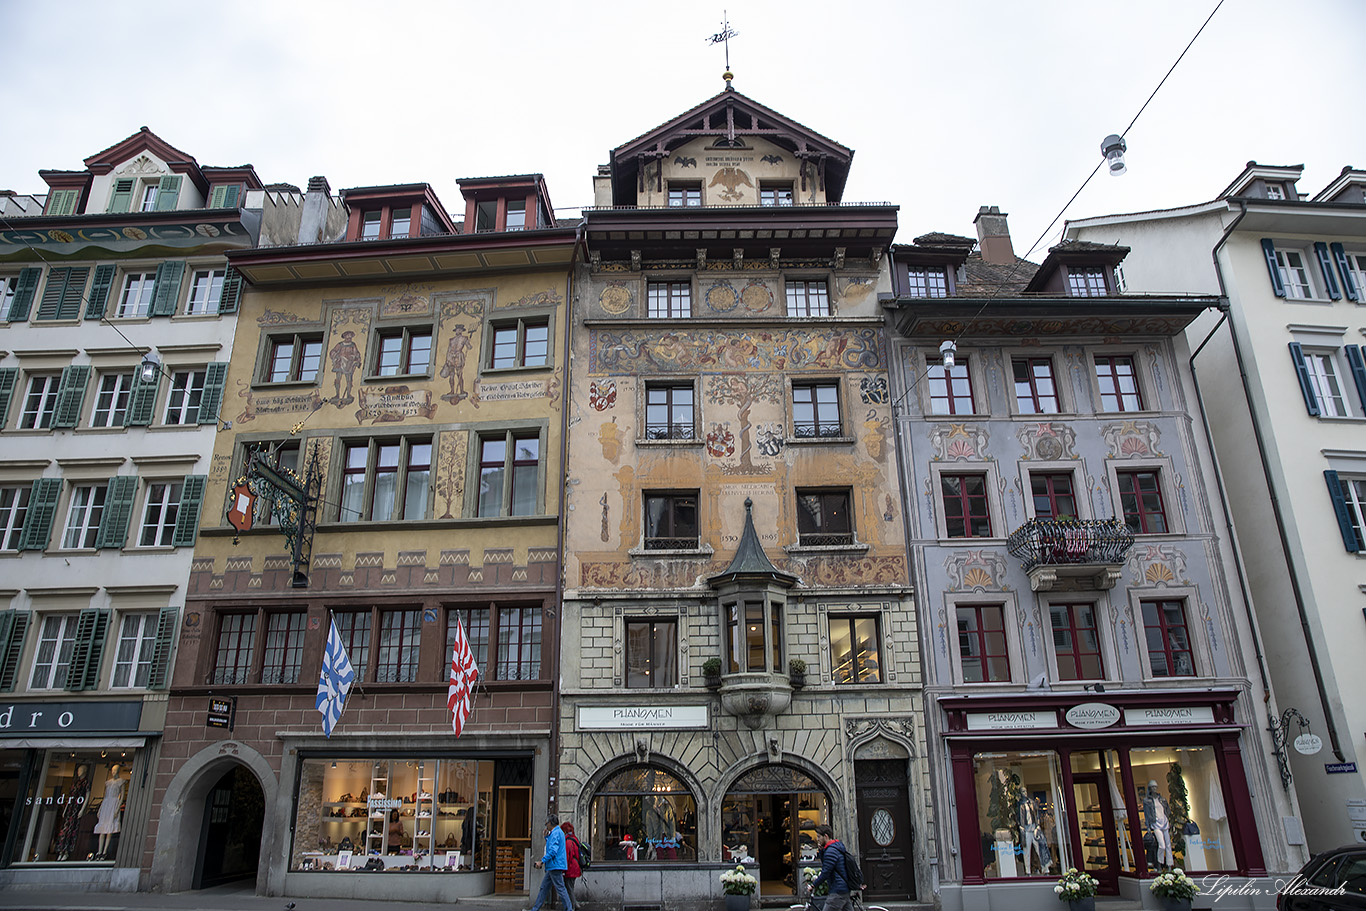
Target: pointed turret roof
column 750, row 561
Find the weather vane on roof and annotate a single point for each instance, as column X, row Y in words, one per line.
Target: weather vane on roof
column 723, row 37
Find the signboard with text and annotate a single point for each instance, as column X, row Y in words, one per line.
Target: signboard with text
column 642, row 717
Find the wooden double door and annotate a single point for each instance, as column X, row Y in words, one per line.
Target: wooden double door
column 886, row 839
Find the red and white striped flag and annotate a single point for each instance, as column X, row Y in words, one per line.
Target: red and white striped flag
column 464, row 675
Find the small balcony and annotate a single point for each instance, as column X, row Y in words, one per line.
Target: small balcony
column 1078, row 554
column 753, row 697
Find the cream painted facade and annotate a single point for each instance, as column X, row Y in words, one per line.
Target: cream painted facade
column 1307, row 585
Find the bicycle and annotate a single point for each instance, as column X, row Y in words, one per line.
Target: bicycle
column 856, row 897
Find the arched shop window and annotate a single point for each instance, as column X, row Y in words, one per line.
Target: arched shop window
column 644, row 814
column 770, row 816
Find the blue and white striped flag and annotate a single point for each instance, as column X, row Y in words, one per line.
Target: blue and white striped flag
column 335, row 680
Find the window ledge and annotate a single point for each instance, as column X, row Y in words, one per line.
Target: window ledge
column 149, row 549
column 705, row 550
column 118, row 429
column 284, row 384
column 696, row 443
column 804, row 549
column 196, row 316
column 1341, row 418
column 396, row 377
column 512, row 371
column 156, row 428
column 806, row 441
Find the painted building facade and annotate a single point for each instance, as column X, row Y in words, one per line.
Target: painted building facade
column 118, row 313
column 1094, row 688
column 407, row 371
column 1293, row 268
column 739, row 645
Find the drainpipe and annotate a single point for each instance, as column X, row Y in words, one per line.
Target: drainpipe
column 1271, row 492
column 560, row 524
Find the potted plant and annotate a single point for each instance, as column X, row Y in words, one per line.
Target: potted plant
column 738, row 886
column 1175, row 889
column 711, row 672
column 809, row 875
column 796, row 672
column 1078, row 890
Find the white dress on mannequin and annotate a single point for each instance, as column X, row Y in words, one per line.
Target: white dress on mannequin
column 108, row 821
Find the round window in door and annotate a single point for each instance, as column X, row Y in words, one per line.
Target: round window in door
column 883, row 828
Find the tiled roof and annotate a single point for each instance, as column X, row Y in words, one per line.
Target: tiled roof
column 940, row 239
column 1086, row 246
column 983, row 279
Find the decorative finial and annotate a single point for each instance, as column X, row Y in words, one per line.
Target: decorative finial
column 749, row 505
column 723, row 37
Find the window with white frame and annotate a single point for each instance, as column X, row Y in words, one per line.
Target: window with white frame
column 13, row 511
column 773, row 193
column 1353, row 495
column 111, row 401
column 187, row 390
column 1356, row 265
column 159, row 514
column 669, row 300
column 9, row 284
column 52, row 657
column 1086, row 282
column 1323, row 379
column 84, row 512
column 808, row 298
column 40, row 401
column 927, row 281
column 133, row 657
column 135, row 300
column 1294, row 274
column 206, row 289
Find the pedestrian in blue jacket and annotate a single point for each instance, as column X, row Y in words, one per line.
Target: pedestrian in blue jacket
column 555, row 861
column 832, row 871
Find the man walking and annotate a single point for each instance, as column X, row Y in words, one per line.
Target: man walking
column 833, row 871
column 555, row 861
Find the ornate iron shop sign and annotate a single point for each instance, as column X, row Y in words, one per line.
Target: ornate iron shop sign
column 268, row 488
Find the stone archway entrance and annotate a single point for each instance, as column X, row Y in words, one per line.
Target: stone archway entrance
column 230, row 835
column 768, row 821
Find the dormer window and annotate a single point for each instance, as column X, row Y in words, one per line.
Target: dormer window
column 775, row 194
column 384, row 223
column 685, row 194
column 1274, row 191
column 149, row 198
column 486, row 216
column 401, row 222
column 928, row 281
column 1086, row 282
column 516, row 220
column 369, row 224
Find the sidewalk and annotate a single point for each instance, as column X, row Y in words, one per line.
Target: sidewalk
column 234, row 898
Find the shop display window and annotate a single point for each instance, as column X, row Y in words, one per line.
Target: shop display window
column 768, row 822
column 73, row 811
column 394, row 815
column 1182, row 812
column 644, row 814
column 1020, row 802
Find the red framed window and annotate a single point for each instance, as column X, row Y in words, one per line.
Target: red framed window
column 982, row 643
column 1035, row 390
column 950, row 388
column 965, row 505
column 400, row 631
column 1054, row 495
column 1076, row 642
column 1169, row 643
column 236, row 648
column 519, row 643
column 354, row 629
column 1140, row 497
column 1118, row 383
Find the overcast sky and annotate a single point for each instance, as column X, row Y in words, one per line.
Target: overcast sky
column 949, row 105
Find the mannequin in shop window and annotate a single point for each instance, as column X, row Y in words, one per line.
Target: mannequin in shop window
column 1032, row 841
column 76, row 802
column 1157, row 817
column 111, row 810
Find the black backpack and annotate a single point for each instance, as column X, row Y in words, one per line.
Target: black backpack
column 852, row 874
column 585, row 854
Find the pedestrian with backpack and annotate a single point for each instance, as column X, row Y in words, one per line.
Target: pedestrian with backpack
column 576, row 854
column 836, row 871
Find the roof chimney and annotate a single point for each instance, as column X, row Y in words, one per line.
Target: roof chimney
column 313, row 217
column 994, row 236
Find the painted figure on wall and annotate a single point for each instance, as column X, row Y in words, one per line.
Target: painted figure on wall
column 346, row 360
column 454, row 368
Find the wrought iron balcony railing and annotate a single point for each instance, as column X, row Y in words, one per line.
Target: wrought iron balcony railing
column 1070, row 542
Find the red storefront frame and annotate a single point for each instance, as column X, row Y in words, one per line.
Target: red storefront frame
column 1223, row 736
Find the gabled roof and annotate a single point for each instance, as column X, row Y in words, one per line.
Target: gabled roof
column 1349, row 176
column 1254, row 170
column 144, row 140
column 1075, row 252
column 729, row 116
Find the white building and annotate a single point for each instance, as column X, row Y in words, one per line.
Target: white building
column 1289, row 437
column 116, row 322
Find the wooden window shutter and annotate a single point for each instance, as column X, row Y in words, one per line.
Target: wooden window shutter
column 42, row 508
column 142, row 402
column 191, row 503
column 73, row 294
column 51, row 303
column 1269, row 251
column 13, row 628
column 92, row 627
column 123, row 195
column 1311, row 401
column 215, row 376
column 224, row 196
column 1349, row 283
column 166, row 291
column 118, row 509
column 168, row 194
column 160, row 672
column 71, row 395
column 24, row 291
column 8, row 377
column 99, row 291
column 232, row 291
column 62, row 202
column 1330, row 280
column 1349, row 534
column 1358, row 365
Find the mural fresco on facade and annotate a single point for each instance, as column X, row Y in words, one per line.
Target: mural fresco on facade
column 450, row 472
column 391, row 404
column 952, row 442
column 453, row 369
column 1047, row 441
column 1132, row 439
column 407, row 300
column 743, row 391
column 692, row 350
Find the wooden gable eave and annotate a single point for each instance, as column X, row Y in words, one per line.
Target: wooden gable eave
column 144, row 140
column 1029, row 316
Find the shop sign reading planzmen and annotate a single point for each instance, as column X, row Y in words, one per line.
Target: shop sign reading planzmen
column 1092, row 716
column 996, row 721
column 637, row 717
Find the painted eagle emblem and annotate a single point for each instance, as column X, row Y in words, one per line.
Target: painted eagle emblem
column 730, row 179
column 685, row 162
column 772, row 159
